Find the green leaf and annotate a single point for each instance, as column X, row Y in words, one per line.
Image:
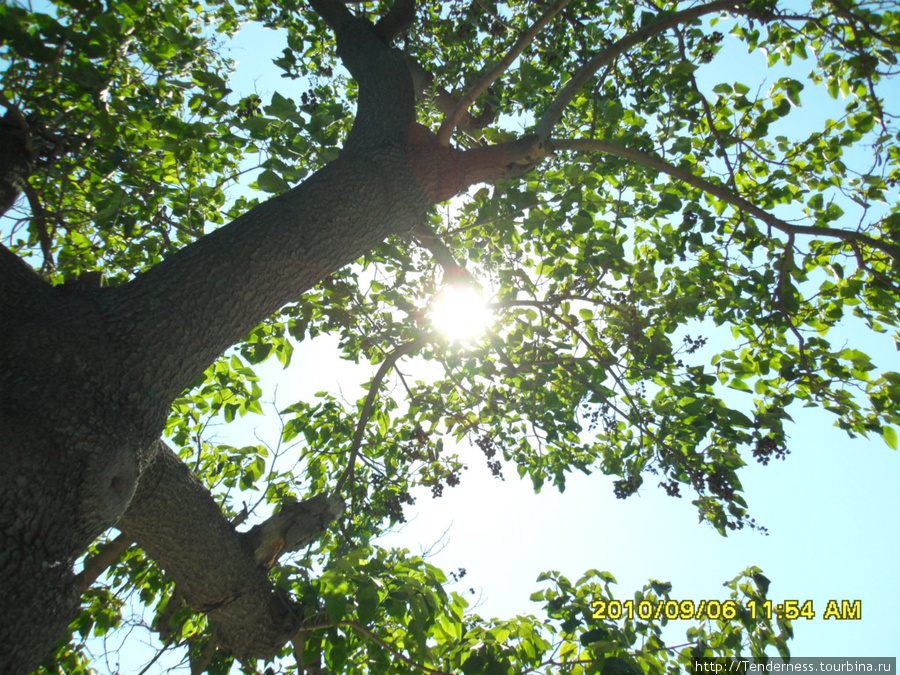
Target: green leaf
column 890, row 437
column 367, row 598
column 669, row 202
column 269, row 181
column 283, row 108
column 335, row 605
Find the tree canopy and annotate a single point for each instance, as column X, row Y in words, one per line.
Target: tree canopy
column 603, row 174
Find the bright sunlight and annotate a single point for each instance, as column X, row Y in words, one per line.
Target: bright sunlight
column 459, row 312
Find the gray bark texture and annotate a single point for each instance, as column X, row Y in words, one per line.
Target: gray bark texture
column 180, row 526
column 87, row 376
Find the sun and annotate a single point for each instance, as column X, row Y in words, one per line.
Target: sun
column 459, row 313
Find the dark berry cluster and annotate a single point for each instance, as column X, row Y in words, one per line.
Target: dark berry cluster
column 706, row 53
column 671, row 487
column 720, row 486
column 386, row 501
column 392, row 505
column 691, row 345
column 310, row 102
column 741, row 520
column 458, row 574
column 437, row 489
column 768, row 447
column 249, row 107
column 601, row 414
column 419, row 442
column 625, row 488
column 698, row 479
column 489, row 447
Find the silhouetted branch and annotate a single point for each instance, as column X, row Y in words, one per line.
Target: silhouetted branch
column 40, row 223
column 366, row 412
column 723, row 193
column 499, row 68
column 201, row 663
column 98, row 564
column 423, row 81
column 397, row 21
column 586, row 72
column 442, row 254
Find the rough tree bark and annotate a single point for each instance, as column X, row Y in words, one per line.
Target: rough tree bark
column 87, row 374
column 178, row 523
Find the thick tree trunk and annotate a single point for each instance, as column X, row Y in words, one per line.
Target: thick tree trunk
column 87, row 374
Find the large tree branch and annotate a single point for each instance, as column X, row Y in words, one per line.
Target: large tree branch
column 217, row 570
column 496, row 71
column 447, row 172
column 173, row 321
column 386, row 106
column 119, row 356
column 177, row 522
column 444, row 101
column 397, row 21
column 581, row 77
column 333, row 12
column 725, row 194
column 18, row 279
column 295, row 526
column 177, row 318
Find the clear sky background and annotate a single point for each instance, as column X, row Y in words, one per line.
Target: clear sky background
column 832, row 508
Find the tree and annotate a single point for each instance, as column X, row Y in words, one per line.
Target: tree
column 638, row 203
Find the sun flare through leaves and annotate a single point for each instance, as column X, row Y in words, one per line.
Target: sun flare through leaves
column 460, row 313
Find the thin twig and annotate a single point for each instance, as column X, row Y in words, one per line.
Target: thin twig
column 386, row 365
column 495, row 16
column 386, row 645
column 156, row 657
column 707, row 113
